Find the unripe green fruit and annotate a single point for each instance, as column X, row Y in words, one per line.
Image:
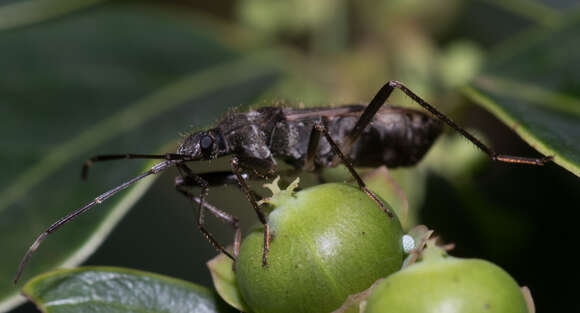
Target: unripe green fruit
column 328, row 242
column 450, row 285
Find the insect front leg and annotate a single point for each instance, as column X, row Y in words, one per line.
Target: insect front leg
column 386, row 91
column 237, row 168
column 320, row 128
column 157, row 168
column 189, row 179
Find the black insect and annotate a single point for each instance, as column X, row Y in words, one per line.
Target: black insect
column 355, row 135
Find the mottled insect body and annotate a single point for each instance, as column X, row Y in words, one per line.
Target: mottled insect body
column 356, row 135
column 395, row 137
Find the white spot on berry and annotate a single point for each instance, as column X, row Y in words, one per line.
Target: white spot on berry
column 408, row 243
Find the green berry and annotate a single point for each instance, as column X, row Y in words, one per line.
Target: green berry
column 447, row 284
column 328, row 242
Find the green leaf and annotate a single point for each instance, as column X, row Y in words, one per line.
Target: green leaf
column 68, row 92
column 109, row 289
column 534, row 88
column 225, row 283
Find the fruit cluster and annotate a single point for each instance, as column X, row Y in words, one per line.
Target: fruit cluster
column 333, row 250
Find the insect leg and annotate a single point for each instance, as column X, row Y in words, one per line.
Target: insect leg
column 220, row 178
column 311, row 154
column 386, row 91
column 109, row 157
column 321, row 128
column 98, row 200
column 312, row 147
column 261, row 216
column 188, row 179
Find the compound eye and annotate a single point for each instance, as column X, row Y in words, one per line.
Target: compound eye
column 206, row 142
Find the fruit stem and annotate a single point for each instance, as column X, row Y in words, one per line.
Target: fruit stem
column 433, row 252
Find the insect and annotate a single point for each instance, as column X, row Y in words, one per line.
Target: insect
column 356, row 135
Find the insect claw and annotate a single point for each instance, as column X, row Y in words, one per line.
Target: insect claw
column 521, row 160
column 266, row 245
column 379, row 203
column 547, row 159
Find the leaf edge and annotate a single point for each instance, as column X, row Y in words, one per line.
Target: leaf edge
column 521, row 131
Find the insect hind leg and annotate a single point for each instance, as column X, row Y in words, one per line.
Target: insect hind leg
column 320, row 128
column 386, row 91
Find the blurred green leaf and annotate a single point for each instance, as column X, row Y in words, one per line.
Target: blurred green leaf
column 271, row 17
column 545, row 14
column 107, row 289
column 534, row 88
column 381, row 181
column 25, row 12
column 355, row 303
column 113, row 80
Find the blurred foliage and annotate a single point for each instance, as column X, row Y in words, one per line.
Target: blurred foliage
column 22, row 13
column 128, row 76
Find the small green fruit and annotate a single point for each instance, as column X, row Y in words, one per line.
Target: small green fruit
column 328, row 242
column 450, row 285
